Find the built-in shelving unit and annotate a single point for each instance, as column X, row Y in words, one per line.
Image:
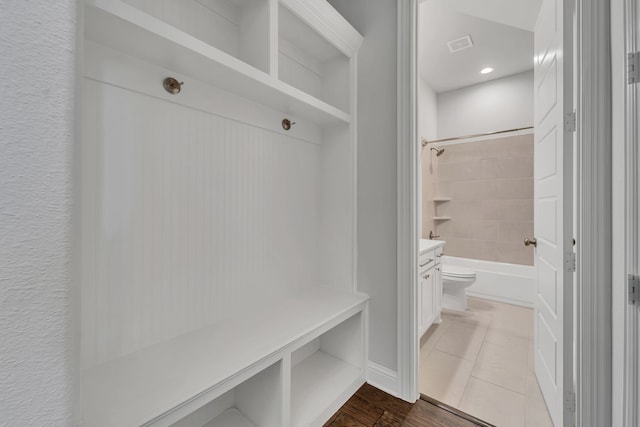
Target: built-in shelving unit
column 127, row 29
column 217, row 249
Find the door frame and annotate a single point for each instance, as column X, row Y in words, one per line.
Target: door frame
column 593, row 187
column 625, row 17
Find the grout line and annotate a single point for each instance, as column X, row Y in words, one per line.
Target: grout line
column 501, row 386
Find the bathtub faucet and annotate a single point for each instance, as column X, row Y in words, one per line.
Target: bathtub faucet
column 433, row 236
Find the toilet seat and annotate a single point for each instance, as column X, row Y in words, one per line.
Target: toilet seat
column 457, row 272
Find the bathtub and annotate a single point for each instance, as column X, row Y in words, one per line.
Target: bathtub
column 499, row 281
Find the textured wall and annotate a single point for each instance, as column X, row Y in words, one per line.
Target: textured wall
column 377, row 177
column 37, row 66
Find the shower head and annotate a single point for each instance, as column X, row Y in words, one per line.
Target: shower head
column 439, row 151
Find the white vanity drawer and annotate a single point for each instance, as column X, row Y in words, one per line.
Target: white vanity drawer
column 439, row 252
column 426, row 260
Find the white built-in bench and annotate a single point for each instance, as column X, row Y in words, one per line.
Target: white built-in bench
column 290, row 363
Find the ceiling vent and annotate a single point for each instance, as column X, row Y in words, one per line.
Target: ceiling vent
column 462, row 43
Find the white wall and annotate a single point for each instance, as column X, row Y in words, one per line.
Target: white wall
column 427, row 111
column 36, row 142
column 377, row 219
column 496, row 105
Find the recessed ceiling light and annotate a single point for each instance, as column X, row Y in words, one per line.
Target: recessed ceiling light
column 486, row 70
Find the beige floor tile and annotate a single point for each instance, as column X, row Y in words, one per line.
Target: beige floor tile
column 431, row 337
column 517, row 321
column 536, row 413
column 470, row 317
column 533, row 388
column 480, row 305
column 501, row 386
column 506, row 367
column 494, row 404
column 531, row 360
column 444, row 377
column 462, row 340
column 507, row 340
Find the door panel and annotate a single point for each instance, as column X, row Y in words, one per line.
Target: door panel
column 548, row 285
column 553, row 200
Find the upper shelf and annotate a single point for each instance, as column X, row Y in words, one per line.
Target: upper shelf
column 120, row 26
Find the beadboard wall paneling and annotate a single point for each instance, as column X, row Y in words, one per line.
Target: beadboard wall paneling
column 186, row 216
column 337, row 228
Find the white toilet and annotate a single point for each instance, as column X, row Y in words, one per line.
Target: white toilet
column 455, row 280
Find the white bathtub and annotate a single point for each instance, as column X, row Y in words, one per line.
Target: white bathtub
column 499, row 281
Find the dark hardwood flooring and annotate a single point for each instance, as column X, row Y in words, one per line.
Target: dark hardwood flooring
column 370, row 407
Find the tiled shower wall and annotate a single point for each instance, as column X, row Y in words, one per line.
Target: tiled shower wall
column 490, row 184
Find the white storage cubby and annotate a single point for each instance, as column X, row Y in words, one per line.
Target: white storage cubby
column 256, row 402
column 333, row 361
column 217, row 249
column 237, row 27
column 310, row 63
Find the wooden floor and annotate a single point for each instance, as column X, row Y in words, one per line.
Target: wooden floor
column 370, row 407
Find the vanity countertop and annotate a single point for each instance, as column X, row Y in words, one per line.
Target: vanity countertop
column 427, row 245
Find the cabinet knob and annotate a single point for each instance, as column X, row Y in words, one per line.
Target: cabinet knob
column 426, row 276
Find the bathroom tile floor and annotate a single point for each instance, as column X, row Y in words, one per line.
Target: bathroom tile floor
column 481, row 362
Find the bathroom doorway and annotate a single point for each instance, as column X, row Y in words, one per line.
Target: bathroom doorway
column 476, row 187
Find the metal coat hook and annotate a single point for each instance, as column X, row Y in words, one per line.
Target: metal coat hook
column 286, row 124
column 172, row 85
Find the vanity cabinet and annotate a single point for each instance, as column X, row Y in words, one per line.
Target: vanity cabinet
column 429, row 284
column 427, row 293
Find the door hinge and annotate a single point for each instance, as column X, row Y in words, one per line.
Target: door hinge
column 570, row 262
column 570, row 122
column 633, row 67
column 570, row 401
column 634, row 289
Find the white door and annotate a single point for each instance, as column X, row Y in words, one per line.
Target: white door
column 553, row 224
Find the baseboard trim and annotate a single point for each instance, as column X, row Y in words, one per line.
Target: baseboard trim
column 383, row 378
